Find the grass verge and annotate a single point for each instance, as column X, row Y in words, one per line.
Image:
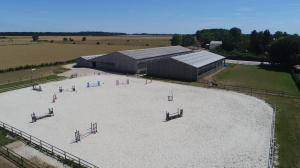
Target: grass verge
column 4, row 140
column 28, row 83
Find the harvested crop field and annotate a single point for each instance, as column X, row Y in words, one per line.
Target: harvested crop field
column 20, row 51
column 218, row 128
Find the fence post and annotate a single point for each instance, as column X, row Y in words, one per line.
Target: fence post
column 22, row 161
column 41, row 145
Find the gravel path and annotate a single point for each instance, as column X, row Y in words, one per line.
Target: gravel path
column 245, row 62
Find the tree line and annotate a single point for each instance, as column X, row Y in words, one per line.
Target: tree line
column 278, row 48
column 83, row 33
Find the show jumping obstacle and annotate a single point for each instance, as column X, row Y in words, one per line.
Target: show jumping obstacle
column 60, row 89
column 148, row 81
column 37, row 87
column 118, row 83
column 54, row 98
column 171, row 96
column 73, row 89
column 173, row 116
column 34, row 118
column 77, row 136
column 92, row 130
column 91, row 84
column 73, row 76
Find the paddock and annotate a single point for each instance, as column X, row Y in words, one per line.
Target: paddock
column 218, row 128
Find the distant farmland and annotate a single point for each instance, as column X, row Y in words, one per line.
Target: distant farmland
column 19, row 51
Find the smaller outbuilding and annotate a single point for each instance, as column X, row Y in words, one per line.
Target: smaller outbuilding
column 85, row 61
column 215, row 44
column 187, row 67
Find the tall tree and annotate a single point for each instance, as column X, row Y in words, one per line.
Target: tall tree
column 188, row 40
column 176, row 40
column 279, row 35
column 285, row 51
column 257, row 42
column 254, row 41
column 236, row 37
column 35, row 37
column 205, row 36
column 267, row 39
column 236, row 33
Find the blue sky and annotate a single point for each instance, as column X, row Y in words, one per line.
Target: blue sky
column 150, row 16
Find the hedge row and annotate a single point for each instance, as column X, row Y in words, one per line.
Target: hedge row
column 296, row 77
column 35, row 66
column 237, row 55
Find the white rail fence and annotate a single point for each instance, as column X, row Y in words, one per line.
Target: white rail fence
column 272, row 140
column 43, row 146
column 15, row 87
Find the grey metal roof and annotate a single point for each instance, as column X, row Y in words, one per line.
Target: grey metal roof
column 199, row 59
column 154, row 52
column 89, row 57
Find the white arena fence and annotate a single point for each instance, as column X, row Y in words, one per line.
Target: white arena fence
column 249, row 90
column 20, row 86
column 272, row 140
column 45, row 147
column 16, row 158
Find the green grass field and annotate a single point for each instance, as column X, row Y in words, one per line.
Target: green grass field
column 288, row 114
column 3, row 137
column 28, row 74
column 257, row 77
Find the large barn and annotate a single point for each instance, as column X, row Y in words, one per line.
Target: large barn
column 187, row 67
column 134, row 61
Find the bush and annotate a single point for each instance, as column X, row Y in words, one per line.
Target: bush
column 35, row 37
column 184, row 40
column 296, row 77
column 239, row 55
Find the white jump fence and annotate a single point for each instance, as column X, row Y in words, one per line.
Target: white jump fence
column 45, row 147
column 272, row 140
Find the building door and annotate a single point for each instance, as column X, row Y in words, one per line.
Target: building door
column 94, row 64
